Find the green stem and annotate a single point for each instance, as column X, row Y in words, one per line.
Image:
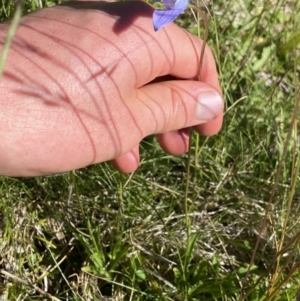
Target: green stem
column 188, row 167
column 10, row 34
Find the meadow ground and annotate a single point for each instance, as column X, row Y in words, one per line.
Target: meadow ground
column 96, row 234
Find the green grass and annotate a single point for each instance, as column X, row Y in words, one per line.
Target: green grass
column 95, row 234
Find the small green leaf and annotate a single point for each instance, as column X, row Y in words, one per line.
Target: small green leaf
column 177, row 275
column 88, row 269
column 141, row 274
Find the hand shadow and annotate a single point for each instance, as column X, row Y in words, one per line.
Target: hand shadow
column 126, row 12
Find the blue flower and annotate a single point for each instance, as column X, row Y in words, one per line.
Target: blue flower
column 174, row 8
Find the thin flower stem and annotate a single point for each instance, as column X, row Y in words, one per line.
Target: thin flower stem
column 197, row 136
column 205, row 21
column 188, row 167
column 186, row 206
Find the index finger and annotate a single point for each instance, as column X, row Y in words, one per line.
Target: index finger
column 148, row 53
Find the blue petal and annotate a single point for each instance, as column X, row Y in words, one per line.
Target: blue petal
column 164, row 17
column 169, row 4
column 181, row 4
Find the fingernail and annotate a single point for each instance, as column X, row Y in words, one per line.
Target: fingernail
column 210, row 105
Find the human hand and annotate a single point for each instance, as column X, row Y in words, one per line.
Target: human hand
column 81, row 86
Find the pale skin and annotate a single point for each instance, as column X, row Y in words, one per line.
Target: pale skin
column 80, row 87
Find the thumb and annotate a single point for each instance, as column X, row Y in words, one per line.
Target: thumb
column 177, row 104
